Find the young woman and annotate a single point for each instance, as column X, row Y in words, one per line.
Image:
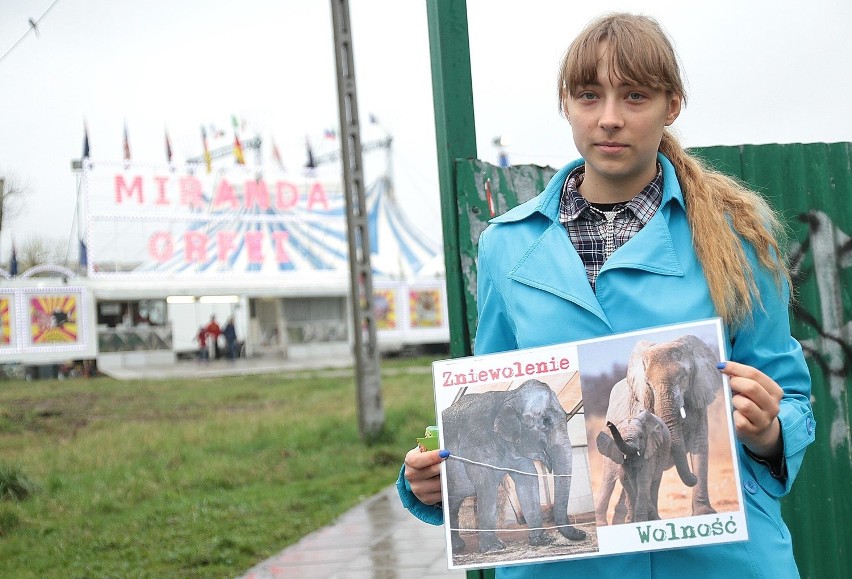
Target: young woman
column 637, row 234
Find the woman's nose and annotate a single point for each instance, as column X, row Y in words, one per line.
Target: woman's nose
column 611, row 117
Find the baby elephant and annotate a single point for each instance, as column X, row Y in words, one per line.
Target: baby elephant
column 503, row 433
column 639, row 450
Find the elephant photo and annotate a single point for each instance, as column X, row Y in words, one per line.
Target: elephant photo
column 501, row 433
column 676, row 381
column 640, row 448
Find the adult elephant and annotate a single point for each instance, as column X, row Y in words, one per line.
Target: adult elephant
column 676, row 381
column 641, row 447
column 494, row 434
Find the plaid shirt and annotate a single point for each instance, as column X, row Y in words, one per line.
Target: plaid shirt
column 586, row 227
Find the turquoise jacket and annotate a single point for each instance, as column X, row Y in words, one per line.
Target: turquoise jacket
column 533, row 291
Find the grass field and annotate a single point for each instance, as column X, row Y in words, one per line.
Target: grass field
column 189, row 478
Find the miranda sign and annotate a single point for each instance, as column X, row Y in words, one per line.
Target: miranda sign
column 143, row 220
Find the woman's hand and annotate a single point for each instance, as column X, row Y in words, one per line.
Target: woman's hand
column 756, row 401
column 423, row 473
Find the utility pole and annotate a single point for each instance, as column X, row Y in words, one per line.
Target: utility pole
column 371, row 414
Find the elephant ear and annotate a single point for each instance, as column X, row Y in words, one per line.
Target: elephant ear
column 507, row 423
column 606, row 446
column 657, row 434
column 706, row 382
column 639, row 388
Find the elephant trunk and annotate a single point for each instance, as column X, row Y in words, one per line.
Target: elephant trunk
column 629, row 450
column 673, row 423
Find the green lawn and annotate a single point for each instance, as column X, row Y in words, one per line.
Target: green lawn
column 190, row 478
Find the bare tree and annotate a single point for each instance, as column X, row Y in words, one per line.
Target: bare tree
column 12, row 195
column 39, row 251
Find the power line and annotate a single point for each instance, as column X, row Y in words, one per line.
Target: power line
column 33, row 28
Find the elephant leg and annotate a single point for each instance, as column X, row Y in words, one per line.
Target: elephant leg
column 653, row 513
column 527, row 488
column 610, row 475
column 700, row 495
column 461, row 487
column 486, row 512
column 619, row 516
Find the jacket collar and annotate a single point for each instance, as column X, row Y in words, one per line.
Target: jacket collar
column 553, row 265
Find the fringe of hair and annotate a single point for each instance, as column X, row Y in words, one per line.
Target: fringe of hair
column 720, row 210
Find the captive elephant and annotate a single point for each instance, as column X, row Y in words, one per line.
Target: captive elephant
column 640, row 447
column 676, row 381
column 506, row 432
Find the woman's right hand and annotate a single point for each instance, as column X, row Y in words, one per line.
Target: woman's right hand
column 423, row 473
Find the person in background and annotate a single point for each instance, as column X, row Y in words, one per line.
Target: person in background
column 230, row 334
column 214, row 331
column 203, row 351
column 635, row 234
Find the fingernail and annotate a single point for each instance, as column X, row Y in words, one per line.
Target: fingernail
column 444, row 453
column 721, row 365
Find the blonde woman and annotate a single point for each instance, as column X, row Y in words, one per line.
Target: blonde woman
column 637, row 234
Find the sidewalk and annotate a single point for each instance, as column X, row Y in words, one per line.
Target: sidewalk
column 378, row 539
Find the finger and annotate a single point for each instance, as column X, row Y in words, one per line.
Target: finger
column 741, row 377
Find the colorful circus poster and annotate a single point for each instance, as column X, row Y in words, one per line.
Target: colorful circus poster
column 425, row 308
column 5, row 321
column 384, row 309
column 54, row 319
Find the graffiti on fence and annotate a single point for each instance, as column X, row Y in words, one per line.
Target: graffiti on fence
column 831, row 349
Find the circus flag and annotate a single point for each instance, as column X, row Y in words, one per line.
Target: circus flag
column 13, row 261
column 208, row 160
column 330, row 134
column 86, row 149
column 53, row 319
column 126, row 144
column 238, row 147
column 168, row 148
column 5, row 322
column 276, row 154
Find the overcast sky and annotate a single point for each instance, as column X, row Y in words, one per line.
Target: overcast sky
column 757, row 72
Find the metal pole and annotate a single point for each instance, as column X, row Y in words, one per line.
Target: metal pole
column 371, row 416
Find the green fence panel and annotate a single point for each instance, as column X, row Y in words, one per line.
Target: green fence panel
column 811, row 186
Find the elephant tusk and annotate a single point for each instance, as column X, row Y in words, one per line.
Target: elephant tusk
column 682, row 413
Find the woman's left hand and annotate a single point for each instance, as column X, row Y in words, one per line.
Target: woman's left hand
column 757, row 401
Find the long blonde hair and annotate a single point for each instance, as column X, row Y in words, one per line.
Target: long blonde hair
column 720, row 210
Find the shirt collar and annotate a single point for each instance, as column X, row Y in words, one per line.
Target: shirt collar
column 572, row 204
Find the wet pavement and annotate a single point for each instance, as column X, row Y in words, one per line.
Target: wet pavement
column 377, row 539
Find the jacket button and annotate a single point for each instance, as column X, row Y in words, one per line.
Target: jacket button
column 751, row 486
column 810, row 425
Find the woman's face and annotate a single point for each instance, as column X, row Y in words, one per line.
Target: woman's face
column 617, row 128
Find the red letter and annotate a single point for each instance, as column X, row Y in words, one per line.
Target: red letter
column 161, row 190
column 191, row 194
column 224, row 243
column 225, row 194
column 317, row 195
column 160, row 246
column 280, row 238
column 286, row 195
column 135, row 188
column 254, row 240
column 195, row 246
column 256, row 194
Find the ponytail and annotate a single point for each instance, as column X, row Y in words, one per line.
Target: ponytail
column 722, row 213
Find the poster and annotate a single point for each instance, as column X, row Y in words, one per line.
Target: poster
column 575, row 453
column 54, row 319
column 425, row 308
column 5, row 321
column 384, row 309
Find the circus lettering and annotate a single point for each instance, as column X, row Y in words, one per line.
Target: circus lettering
column 196, row 247
column 188, row 191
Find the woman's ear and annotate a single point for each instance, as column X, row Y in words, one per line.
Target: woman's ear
column 675, row 103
